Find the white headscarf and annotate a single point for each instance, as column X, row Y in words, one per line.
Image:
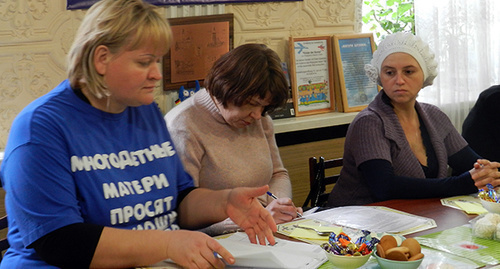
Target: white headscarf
column 407, row 43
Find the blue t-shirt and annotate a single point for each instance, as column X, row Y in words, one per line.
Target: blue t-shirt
column 68, row 162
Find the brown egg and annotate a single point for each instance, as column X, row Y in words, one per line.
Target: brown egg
column 388, row 242
column 413, row 245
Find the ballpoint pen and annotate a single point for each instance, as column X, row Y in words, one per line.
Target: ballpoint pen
column 275, row 197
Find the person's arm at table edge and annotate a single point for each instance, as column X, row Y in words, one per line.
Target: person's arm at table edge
column 59, row 248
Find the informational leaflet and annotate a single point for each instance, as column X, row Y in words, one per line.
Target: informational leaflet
column 375, row 219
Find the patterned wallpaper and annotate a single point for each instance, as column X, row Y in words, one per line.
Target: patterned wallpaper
column 35, row 37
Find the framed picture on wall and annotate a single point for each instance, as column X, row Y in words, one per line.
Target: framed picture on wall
column 311, row 74
column 354, row 90
column 197, row 43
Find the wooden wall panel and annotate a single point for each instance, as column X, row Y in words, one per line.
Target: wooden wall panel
column 296, row 160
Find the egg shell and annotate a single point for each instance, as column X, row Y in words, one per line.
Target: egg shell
column 413, row 245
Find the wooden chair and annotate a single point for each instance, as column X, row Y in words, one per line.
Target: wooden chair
column 4, row 244
column 318, row 181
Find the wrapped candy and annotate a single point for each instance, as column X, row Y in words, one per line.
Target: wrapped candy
column 490, row 194
column 342, row 244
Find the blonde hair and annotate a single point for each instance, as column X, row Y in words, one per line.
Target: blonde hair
column 116, row 24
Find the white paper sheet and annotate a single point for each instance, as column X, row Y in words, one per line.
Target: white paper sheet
column 375, row 219
column 284, row 254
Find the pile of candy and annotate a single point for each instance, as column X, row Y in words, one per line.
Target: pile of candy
column 341, row 244
column 489, row 195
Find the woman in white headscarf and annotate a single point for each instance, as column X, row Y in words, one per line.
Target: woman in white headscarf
column 398, row 148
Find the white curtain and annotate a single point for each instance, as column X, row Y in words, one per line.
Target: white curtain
column 465, row 36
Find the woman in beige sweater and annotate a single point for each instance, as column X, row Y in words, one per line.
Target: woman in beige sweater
column 223, row 133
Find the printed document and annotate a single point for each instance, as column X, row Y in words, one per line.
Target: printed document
column 374, row 219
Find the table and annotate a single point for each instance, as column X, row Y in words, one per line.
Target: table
column 445, row 217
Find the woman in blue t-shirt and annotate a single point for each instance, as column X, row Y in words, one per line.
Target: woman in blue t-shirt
column 92, row 178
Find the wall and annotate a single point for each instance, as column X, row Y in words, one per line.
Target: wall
column 35, row 37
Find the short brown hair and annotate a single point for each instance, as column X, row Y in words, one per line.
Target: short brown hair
column 116, row 24
column 247, row 71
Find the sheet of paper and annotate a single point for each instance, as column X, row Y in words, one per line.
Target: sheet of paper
column 471, row 208
column 299, row 232
column 374, row 219
column 310, row 211
column 290, row 229
column 468, row 203
column 284, row 254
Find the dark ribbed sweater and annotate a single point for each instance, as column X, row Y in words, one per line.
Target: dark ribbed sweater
column 376, row 134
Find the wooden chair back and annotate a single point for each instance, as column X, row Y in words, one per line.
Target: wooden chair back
column 318, row 181
column 4, row 244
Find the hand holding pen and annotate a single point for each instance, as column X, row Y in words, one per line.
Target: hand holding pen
column 283, row 209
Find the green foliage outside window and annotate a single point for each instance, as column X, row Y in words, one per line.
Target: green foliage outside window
column 389, row 16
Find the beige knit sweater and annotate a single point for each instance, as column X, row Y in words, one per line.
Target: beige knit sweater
column 219, row 156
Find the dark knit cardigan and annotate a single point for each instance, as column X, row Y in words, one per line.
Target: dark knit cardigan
column 376, row 134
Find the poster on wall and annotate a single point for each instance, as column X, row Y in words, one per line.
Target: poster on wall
column 84, row 4
column 311, row 74
column 195, row 48
column 352, row 52
column 198, row 42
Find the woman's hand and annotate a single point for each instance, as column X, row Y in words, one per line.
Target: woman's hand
column 191, row 249
column 485, row 172
column 283, row 210
column 244, row 209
